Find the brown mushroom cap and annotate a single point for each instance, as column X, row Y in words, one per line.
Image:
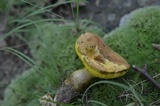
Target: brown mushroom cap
column 99, row 58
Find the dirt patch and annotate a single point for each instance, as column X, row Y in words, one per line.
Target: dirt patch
column 105, row 12
column 11, row 65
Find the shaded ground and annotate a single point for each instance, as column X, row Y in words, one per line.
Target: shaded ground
column 105, row 12
column 11, row 65
column 108, row 12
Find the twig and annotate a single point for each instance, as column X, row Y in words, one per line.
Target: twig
column 125, row 92
column 144, row 72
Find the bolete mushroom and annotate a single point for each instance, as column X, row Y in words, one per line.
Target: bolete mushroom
column 99, row 61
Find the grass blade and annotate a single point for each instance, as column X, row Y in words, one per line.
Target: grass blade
column 22, row 56
column 27, row 24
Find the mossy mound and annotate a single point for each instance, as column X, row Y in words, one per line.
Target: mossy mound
column 53, row 49
column 25, row 87
column 134, row 40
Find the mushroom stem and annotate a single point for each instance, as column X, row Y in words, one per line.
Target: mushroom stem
column 73, row 85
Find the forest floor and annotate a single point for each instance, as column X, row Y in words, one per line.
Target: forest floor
column 107, row 13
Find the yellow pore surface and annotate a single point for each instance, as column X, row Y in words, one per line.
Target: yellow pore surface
column 96, row 63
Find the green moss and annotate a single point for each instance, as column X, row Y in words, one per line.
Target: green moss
column 26, row 89
column 2, row 5
column 134, row 42
column 52, row 47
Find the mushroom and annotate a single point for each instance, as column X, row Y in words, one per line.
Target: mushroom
column 98, row 58
column 99, row 61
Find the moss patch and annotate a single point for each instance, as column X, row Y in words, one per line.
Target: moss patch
column 52, row 46
column 134, row 42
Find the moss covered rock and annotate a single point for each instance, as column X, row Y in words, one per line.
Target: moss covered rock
column 134, row 40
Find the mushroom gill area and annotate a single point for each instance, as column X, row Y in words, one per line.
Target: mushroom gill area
column 100, row 63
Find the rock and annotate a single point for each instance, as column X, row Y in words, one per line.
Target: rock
column 124, row 20
column 144, row 2
column 111, row 17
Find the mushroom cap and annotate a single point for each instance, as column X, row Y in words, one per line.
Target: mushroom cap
column 98, row 58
